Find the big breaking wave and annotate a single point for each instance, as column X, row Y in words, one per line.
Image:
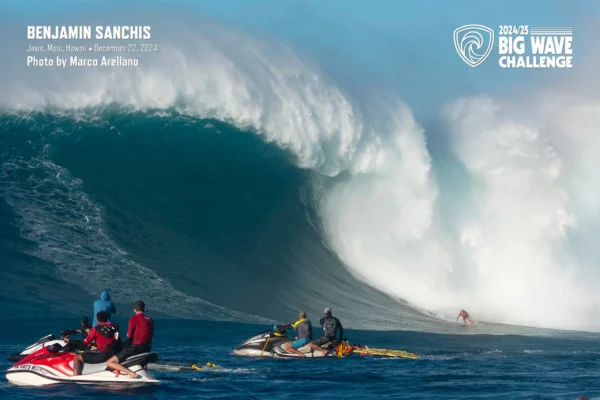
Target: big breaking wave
column 509, row 243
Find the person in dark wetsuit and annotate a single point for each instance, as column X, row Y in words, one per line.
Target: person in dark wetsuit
column 139, row 337
column 331, row 325
column 105, row 338
column 304, row 329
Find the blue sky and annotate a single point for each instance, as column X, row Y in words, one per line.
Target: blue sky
column 401, row 45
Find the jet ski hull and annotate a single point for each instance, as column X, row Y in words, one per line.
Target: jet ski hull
column 280, row 353
column 50, row 365
column 267, row 344
column 43, row 376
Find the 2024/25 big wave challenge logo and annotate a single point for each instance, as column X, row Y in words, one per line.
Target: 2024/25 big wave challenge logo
column 519, row 46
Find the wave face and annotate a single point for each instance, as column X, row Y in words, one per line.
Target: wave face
column 238, row 180
column 202, row 219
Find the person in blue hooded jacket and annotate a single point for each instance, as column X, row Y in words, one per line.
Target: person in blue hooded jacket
column 104, row 304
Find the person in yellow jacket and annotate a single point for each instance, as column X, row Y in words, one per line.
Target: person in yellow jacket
column 304, row 329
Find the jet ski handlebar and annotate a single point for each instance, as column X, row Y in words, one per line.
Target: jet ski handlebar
column 282, row 328
column 68, row 332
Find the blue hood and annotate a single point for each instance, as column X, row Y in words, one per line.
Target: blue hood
column 105, row 295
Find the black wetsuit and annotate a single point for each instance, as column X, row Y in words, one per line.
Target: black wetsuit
column 330, row 326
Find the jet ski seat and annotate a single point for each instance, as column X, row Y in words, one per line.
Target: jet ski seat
column 139, row 359
column 92, row 368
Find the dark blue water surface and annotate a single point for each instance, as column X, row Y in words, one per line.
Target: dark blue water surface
column 460, row 366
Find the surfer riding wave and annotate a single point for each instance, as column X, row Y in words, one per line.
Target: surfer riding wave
column 466, row 317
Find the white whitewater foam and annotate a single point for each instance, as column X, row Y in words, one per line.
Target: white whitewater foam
column 531, row 176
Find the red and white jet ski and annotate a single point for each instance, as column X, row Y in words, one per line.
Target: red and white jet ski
column 43, row 342
column 50, row 365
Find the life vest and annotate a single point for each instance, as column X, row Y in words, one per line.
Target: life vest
column 343, row 349
column 330, row 327
column 108, row 331
column 295, row 324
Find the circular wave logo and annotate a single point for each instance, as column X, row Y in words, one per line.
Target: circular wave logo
column 473, row 43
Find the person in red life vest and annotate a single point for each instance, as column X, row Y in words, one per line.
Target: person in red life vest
column 105, row 336
column 139, row 338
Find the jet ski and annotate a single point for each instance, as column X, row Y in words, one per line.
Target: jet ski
column 52, row 364
column 47, row 340
column 268, row 344
column 50, row 340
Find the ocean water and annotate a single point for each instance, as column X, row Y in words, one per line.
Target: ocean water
column 452, row 366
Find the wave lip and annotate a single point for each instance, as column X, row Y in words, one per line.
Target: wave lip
column 226, row 76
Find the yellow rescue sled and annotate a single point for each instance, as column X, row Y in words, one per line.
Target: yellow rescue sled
column 344, row 350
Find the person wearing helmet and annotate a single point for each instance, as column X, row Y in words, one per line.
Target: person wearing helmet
column 331, row 325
